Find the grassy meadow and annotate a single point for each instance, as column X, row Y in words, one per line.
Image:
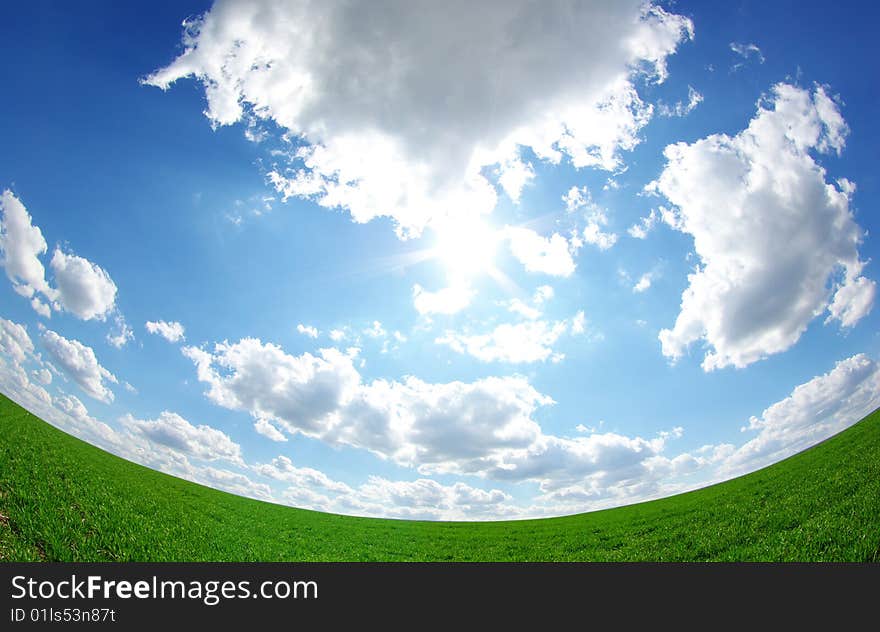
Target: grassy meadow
column 64, row 500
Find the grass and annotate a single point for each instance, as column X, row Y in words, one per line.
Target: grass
column 64, row 500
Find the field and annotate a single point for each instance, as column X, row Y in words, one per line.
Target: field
column 64, row 500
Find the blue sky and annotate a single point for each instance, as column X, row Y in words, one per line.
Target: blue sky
column 554, row 262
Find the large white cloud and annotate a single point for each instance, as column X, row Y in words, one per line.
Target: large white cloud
column 485, row 428
column 21, row 245
column 82, row 288
column 202, row 441
column 395, row 108
column 813, row 412
column 79, row 362
column 770, row 231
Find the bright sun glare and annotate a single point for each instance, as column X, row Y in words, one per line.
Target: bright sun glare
column 466, row 247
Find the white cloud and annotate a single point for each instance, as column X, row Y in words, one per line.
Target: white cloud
column 681, row 109
column 593, row 234
column 307, row 330
column 423, row 499
column 80, row 364
column 263, row 427
column 814, row 411
column 644, row 226
column 15, row 341
column 579, row 323
column 516, row 306
column 746, row 51
column 852, row 301
column 381, row 138
column 549, row 255
column 514, row 175
column 171, row 331
column 41, row 308
column 525, row 342
column 21, row 244
column 580, row 198
column 297, row 392
column 448, row 300
column 43, row 376
column 483, row 428
column 175, row 432
column 84, row 288
column 411, row 422
column 750, row 298
column 233, row 482
column 644, row 282
column 282, row 468
column 123, row 332
column 84, row 425
column 375, row 330
column 337, row 335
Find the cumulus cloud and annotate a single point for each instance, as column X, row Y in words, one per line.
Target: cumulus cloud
column 485, row 428
column 263, row 427
column 552, row 255
column 749, row 298
column 307, row 330
column 420, row 499
column 78, row 362
column 15, row 341
column 21, row 245
column 43, row 376
column 525, row 342
column 814, row 411
column 423, row 499
column 393, row 117
column 448, row 300
column 282, row 469
column 171, row 331
column 82, row 288
column 417, row 499
column 175, row 432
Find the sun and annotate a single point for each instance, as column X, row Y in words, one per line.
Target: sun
column 466, row 246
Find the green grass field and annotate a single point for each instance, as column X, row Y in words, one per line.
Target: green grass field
column 62, row 499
